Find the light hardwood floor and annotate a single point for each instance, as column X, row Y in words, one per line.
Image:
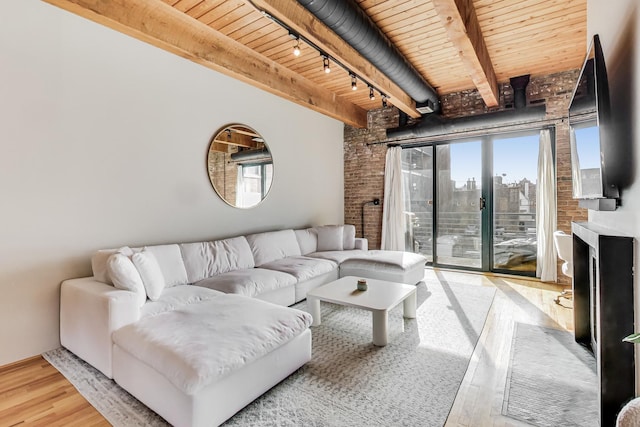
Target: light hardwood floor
column 32, row 392
column 480, row 397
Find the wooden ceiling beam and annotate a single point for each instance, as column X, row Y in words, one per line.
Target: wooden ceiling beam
column 219, row 148
column 306, row 24
column 237, row 140
column 159, row 24
column 463, row 29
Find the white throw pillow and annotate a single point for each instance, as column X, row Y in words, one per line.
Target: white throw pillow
column 149, row 269
column 330, row 238
column 125, row 276
column 99, row 262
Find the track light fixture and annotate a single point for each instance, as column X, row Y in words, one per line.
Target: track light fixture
column 325, row 62
column 296, row 47
column 326, row 66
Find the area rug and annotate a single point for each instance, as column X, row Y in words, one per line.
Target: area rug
column 552, row 380
column 349, row 382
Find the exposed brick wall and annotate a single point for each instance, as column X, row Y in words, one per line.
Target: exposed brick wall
column 223, row 174
column 364, row 155
column 364, row 172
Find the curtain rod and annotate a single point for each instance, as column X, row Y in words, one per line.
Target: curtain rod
column 540, row 124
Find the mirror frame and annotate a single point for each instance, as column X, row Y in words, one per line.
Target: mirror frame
column 251, row 156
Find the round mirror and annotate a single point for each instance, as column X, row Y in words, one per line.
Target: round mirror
column 240, row 166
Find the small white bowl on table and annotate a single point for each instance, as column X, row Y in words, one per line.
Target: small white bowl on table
column 380, row 297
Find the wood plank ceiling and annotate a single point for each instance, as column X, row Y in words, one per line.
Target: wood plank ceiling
column 454, row 44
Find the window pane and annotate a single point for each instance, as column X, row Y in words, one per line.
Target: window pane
column 515, row 165
column 417, row 170
column 251, row 186
column 458, row 220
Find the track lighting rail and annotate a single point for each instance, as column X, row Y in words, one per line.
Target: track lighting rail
column 326, row 58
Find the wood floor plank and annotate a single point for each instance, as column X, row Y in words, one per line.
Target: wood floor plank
column 34, row 393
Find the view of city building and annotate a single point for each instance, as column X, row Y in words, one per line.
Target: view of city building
column 459, row 203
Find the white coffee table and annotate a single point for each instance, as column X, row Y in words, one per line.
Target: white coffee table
column 380, row 297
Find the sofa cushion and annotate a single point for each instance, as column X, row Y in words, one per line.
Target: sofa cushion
column 307, row 240
column 249, row 282
column 198, row 344
column 394, row 260
column 170, row 261
column 273, row 245
column 301, row 267
column 125, row 276
column 177, row 297
column 349, row 237
column 206, row 259
column 338, row 256
column 330, row 238
column 99, row 262
column 150, row 272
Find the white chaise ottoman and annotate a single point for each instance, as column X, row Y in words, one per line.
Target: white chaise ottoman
column 200, row 364
column 393, row 266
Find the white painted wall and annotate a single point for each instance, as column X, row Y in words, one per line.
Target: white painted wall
column 104, row 140
column 617, row 23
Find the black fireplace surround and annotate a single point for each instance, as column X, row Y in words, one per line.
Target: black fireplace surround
column 603, row 311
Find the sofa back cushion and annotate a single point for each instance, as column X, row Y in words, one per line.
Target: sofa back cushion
column 349, row 236
column 169, row 258
column 208, row 259
column 273, row 245
column 330, row 238
column 307, row 240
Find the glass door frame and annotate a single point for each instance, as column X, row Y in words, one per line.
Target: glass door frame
column 487, row 223
column 483, row 194
column 491, row 224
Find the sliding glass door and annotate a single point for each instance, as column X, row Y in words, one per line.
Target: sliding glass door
column 514, row 237
column 459, row 204
column 472, row 204
column 417, row 177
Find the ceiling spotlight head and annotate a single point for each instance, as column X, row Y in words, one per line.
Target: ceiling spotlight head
column 384, row 101
column 296, row 48
column 354, row 83
column 325, row 62
column 371, row 95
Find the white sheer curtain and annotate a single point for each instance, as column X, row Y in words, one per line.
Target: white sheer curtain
column 393, row 220
column 546, row 210
column 240, row 188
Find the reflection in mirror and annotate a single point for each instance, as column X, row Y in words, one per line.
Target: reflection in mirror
column 584, row 135
column 240, row 166
column 585, row 146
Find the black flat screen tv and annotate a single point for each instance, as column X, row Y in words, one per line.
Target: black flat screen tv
column 591, row 138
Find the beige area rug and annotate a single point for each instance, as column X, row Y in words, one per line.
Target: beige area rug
column 412, row 381
column 552, row 380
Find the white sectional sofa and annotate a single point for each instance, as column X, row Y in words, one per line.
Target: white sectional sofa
column 196, row 331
